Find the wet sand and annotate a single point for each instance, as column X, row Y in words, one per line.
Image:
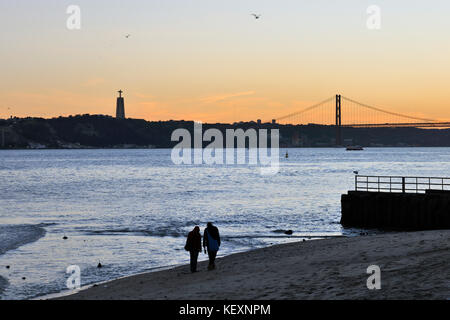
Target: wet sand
column 414, row 265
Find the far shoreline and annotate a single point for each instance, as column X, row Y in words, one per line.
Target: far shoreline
column 170, row 148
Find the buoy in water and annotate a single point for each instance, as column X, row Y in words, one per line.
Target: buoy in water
column 65, row 238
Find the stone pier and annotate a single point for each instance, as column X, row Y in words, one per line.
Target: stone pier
column 397, row 211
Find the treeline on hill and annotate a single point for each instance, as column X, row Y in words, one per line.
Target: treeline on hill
column 88, row 131
column 99, row 131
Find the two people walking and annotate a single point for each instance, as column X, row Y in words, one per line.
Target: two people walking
column 211, row 244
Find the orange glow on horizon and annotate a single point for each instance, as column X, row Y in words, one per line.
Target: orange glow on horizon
column 213, row 62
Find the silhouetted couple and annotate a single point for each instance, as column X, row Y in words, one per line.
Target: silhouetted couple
column 211, row 244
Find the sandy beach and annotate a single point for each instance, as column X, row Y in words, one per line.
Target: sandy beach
column 414, row 265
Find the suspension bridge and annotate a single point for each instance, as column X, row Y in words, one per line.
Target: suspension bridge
column 341, row 111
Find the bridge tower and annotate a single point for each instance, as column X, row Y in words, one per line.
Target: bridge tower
column 338, row 121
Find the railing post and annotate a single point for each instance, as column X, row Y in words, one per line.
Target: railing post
column 356, row 182
column 403, row 185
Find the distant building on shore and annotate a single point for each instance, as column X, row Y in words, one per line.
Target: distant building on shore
column 120, row 107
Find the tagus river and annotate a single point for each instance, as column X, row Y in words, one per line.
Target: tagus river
column 132, row 209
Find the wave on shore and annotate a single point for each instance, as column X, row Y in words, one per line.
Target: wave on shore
column 14, row 236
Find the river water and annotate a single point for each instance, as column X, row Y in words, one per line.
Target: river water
column 132, row 209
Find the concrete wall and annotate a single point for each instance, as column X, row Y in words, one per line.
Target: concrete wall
column 399, row 211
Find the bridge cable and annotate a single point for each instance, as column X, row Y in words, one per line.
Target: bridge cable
column 305, row 110
column 388, row 112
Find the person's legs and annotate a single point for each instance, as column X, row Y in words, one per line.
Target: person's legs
column 212, row 259
column 194, row 257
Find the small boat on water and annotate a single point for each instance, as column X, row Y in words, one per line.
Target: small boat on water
column 355, row 148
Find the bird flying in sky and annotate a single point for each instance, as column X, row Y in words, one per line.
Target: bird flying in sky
column 127, row 36
column 257, row 16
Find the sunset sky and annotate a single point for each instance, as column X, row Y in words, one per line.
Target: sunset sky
column 212, row 61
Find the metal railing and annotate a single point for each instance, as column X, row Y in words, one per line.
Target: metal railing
column 401, row 184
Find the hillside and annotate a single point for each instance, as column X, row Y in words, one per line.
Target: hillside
column 99, row 131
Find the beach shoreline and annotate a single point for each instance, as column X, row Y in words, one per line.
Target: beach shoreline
column 412, row 264
column 68, row 292
column 203, row 259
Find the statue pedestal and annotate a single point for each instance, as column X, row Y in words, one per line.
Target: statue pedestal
column 120, row 109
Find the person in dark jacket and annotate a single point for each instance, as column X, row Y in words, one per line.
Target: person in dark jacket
column 211, row 242
column 194, row 246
